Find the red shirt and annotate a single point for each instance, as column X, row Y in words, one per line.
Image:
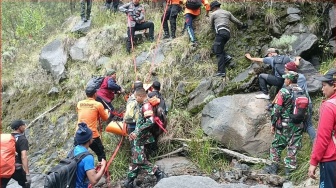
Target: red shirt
column 324, row 148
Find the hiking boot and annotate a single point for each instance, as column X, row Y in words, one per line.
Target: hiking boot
column 151, row 39
column 129, row 183
column 220, row 74
column 173, row 35
column 159, row 175
column 271, row 169
column 262, row 96
column 227, row 58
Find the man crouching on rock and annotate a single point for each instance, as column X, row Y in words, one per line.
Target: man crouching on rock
column 142, row 136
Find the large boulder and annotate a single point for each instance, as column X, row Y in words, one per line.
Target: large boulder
column 155, row 56
column 292, row 18
column 239, row 122
column 304, row 42
column 332, row 23
column 310, row 73
column 53, row 58
column 297, row 28
column 82, row 27
column 79, row 50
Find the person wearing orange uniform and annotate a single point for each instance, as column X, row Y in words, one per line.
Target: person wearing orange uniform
column 89, row 111
column 191, row 13
column 171, row 13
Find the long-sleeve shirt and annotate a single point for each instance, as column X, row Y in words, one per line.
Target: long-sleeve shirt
column 143, row 128
column 324, row 149
column 136, row 13
column 132, row 110
column 222, row 17
column 197, row 11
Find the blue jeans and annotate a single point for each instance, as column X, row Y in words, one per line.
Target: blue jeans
column 189, row 21
column 308, row 124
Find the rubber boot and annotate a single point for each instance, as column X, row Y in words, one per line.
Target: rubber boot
column 159, row 175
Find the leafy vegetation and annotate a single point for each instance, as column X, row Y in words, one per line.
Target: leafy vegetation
column 27, row 27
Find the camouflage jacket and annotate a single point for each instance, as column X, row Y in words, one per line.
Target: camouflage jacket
column 283, row 106
column 143, row 130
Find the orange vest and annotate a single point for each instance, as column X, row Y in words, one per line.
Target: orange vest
column 197, row 11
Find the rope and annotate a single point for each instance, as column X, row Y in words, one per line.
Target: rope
column 108, row 178
column 131, row 35
column 157, row 42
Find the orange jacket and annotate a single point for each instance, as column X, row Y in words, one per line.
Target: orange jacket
column 198, row 11
column 89, row 111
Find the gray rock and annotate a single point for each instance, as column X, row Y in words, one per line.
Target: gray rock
column 53, row 91
column 288, row 184
column 332, row 43
column 292, row 10
column 103, row 61
column 292, row 18
column 37, row 181
column 158, row 57
column 297, row 28
column 82, row 27
column 310, row 73
column 187, row 181
column 246, row 73
column 304, row 43
column 201, row 95
column 53, row 58
column 79, row 50
column 239, row 122
column 181, row 88
column 176, row 166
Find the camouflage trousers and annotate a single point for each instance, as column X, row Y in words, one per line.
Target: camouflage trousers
column 139, row 162
column 289, row 136
column 88, row 8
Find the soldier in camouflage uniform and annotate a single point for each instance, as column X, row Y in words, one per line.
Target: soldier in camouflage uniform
column 142, row 136
column 287, row 134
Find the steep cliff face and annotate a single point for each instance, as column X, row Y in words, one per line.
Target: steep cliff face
column 56, row 72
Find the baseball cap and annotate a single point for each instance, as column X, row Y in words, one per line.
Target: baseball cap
column 328, row 77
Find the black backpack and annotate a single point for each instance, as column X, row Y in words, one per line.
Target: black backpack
column 194, row 4
column 279, row 64
column 63, row 175
column 300, row 103
column 95, row 81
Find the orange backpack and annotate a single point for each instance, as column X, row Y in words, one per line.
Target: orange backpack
column 7, row 155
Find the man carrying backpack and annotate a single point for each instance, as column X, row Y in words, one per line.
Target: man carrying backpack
column 21, row 173
column 171, row 13
column 89, row 112
column 86, row 172
column 287, row 133
column 277, row 62
column 136, row 22
column 302, row 82
column 141, row 137
column 324, row 148
column 220, row 21
column 85, row 15
column 108, row 88
column 132, row 109
column 156, row 92
column 191, row 12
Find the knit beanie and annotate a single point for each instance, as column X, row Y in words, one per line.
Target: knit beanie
column 83, row 134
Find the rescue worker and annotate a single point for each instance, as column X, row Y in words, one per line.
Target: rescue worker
column 286, row 133
column 89, row 111
column 220, row 21
column 141, row 137
column 171, row 14
column 136, row 21
column 190, row 15
column 132, row 109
